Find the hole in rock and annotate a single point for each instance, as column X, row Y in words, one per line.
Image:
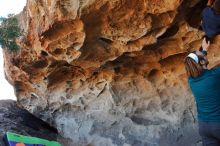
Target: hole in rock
column 117, row 69
column 152, row 73
column 108, row 41
column 44, row 53
column 15, row 62
column 95, row 73
column 58, row 51
column 194, row 16
column 145, row 122
column 40, row 64
column 65, row 64
column 170, row 32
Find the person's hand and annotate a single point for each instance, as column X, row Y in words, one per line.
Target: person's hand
column 210, row 2
column 205, row 45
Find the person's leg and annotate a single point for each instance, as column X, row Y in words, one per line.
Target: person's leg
column 206, row 132
column 210, row 141
column 215, row 128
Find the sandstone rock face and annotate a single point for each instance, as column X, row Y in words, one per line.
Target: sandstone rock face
column 110, row 72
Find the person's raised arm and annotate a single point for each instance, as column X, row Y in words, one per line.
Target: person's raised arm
column 205, row 46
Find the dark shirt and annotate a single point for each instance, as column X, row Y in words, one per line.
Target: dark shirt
column 206, row 90
column 210, row 22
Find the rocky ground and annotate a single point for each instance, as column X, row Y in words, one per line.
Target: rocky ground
column 20, row 121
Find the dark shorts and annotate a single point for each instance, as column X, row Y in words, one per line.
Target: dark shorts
column 210, row 133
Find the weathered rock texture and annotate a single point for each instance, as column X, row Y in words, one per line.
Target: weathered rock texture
column 110, row 72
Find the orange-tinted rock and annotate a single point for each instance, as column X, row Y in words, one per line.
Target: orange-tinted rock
column 110, row 72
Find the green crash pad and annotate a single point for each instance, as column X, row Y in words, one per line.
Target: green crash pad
column 12, row 139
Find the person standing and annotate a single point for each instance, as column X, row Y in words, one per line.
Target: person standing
column 205, row 86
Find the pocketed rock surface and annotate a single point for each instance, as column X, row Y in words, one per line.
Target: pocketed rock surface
column 110, row 72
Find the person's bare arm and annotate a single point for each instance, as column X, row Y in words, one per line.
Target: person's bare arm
column 205, row 44
column 210, row 2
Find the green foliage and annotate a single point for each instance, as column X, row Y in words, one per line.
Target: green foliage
column 9, row 31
